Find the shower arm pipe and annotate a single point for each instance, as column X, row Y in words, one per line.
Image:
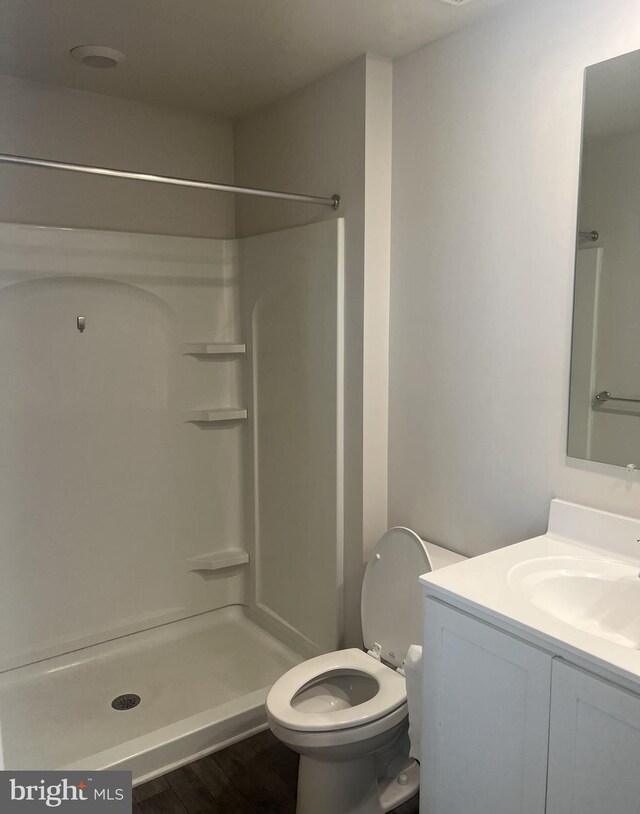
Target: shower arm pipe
column 27, row 161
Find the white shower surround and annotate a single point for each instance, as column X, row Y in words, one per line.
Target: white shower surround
column 100, row 529
column 104, row 491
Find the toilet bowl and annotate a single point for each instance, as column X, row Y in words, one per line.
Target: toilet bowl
column 345, row 712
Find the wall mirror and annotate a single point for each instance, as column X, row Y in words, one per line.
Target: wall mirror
column 604, row 406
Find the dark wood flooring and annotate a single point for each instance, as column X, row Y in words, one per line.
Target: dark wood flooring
column 256, row 776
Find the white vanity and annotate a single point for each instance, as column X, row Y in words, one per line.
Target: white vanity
column 531, row 692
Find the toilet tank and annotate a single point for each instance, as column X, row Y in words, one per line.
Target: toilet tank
column 441, row 557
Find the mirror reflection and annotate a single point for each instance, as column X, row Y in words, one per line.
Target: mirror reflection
column 604, row 410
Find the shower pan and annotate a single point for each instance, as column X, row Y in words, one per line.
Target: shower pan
column 170, row 487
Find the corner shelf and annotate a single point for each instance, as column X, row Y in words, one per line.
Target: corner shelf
column 215, row 416
column 211, row 349
column 216, row 560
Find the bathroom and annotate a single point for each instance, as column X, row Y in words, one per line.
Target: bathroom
column 216, row 403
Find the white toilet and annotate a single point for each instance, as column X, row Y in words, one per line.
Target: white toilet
column 345, row 712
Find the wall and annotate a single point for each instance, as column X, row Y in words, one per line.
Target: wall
column 610, row 198
column 335, row 136
column 376, row 293
column 486, row 149
column 87, row 128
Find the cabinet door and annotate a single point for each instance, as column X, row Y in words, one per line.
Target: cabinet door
column 486, row 704
column 594, row 750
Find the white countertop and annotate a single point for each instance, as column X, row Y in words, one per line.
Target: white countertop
column 484, row 587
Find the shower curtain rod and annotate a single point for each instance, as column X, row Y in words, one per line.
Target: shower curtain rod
column 26, row 161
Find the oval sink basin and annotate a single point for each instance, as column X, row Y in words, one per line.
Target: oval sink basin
column 597, row 596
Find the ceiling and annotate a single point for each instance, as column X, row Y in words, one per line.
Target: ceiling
column 222, row 57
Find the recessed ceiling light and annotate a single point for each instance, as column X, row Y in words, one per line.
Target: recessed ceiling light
column 97, row 56
column 455, row 2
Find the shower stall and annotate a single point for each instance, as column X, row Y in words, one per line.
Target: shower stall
column 171, row 495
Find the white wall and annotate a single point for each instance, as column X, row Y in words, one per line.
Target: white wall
column 87, row 128
column 334, row 136
column 486, row 145
column 377, row 282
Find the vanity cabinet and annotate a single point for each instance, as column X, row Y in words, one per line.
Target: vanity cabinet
column 485, row 718
column 510, row 729
column 594, row 746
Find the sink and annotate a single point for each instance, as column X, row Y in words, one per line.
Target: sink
column 597, row 596
column 573, row 590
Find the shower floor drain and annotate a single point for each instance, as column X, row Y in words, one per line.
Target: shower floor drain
column 127, row 701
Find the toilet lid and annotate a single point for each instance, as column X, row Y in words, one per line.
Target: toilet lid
column 391, row 605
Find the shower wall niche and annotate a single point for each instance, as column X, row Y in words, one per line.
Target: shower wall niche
column 182, row 452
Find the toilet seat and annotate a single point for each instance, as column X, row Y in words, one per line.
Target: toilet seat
column 391, row 603
column 391, row 692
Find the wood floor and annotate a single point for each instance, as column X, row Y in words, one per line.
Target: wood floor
column 256, row 776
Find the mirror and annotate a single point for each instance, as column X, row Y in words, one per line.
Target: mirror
column 604, row 405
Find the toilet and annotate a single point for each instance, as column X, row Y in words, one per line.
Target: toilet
column 345, row 712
